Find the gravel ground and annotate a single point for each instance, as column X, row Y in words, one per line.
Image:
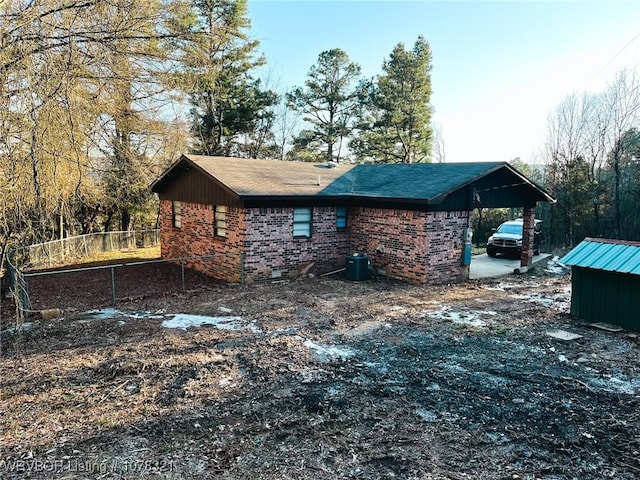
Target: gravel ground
column 317, row 378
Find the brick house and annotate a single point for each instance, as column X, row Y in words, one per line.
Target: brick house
column 263, row 219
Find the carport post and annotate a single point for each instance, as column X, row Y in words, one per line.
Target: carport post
column 528, row 231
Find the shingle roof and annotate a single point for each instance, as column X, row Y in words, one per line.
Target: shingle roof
column 418, row 180
column 605, row 254
column 424, row 182
column 251, row 177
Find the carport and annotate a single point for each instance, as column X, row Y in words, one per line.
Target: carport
column 514, row 191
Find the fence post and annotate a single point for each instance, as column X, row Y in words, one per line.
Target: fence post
column 113, row 285
column 24, row 292
column 18, row 283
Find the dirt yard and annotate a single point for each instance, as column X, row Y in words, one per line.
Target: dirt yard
column 320, row 378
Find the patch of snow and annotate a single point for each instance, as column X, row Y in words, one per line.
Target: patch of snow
column 555, row 267
column 225, row 310
column 558, row 302
column 103, row 314
column 108, row 313
column 23, row 327
column 562, row 358
column 327, row 353
column 617, row 385
column 184, row 321
column 469, row 317
column 281, row 331
column 143, row 315
column 426, row 415
column 455, row 367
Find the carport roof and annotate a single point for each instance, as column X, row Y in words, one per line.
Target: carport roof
column 605, row 254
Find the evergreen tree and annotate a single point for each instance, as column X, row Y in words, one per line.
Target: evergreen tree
column 218, row 60
column 397, row 123
column 329, row 102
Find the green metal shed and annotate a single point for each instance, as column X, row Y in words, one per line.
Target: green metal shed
column 605, row 281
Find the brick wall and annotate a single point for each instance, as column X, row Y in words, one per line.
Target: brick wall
column 445, row 246
column 271, row 250
column 196, row 237
column 418, row 247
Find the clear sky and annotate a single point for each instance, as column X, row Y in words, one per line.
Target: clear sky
column 499, row 67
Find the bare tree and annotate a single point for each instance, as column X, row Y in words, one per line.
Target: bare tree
column 286, row 124
column 77, row 76
column 438, row 153
column 623, row 101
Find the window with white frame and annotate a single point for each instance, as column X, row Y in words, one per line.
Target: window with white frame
column 341, row 217
column 302, row 218
column 220, row 221
column 176, row 214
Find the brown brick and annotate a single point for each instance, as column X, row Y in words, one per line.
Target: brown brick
column 418, row 247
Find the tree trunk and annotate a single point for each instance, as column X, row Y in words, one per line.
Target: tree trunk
column 125, row 219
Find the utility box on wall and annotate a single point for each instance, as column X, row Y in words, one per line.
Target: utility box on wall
column 466, row 254
column 468, row 246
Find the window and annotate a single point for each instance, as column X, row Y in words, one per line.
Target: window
column 176, row 214
column 341, row 217
column 220, row 221
column 302, row 222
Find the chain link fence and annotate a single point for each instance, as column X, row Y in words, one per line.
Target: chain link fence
column 61, row 252
column 39, row 282
column 66, row 250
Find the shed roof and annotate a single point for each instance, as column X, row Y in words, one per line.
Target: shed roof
column 605, row 254
column 427, row 183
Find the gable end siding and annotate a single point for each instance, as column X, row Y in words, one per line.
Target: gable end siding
column 194, row 187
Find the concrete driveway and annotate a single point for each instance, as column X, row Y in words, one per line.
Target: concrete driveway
column 483, row 266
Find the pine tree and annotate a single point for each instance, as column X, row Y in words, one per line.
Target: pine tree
column 218, row 60
column 397, row 124
column 329, row 102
